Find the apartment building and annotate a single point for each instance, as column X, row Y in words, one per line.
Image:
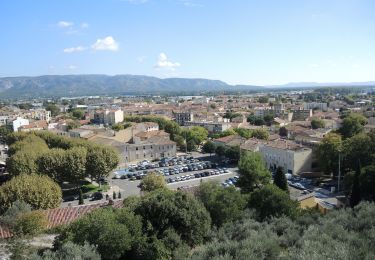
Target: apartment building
column 212, row 127
column 41, row 114
column 16, row 124
column 301, row 114
column 109, row 117
column 294, row 158
column 182, row 117
column 315, row 105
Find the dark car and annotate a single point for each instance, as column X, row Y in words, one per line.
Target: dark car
column 202, row 174
column 206, row 174
column 197, row 175
column 97, row 196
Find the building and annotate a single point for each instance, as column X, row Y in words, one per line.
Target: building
column 4, row 120
column 18, row 123
column 301, row 114
column 143, row 141
column 315, row 105
column 34, row 126
column 109, row 117
column 212, row 127
column 263, row 111
column 182, row 117
column 294, row 158
column 41, row 114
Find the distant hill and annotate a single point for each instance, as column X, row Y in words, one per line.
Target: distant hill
column 83, row 85
column 324, row 84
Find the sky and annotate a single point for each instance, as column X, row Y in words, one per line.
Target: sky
column 261, row 42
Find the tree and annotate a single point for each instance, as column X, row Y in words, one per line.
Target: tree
column 259, row 121
column 209, row 147
column 268, row 119
column 119, row 195
column 78, row 113
column 5, row 130
column 233, row 153
column 260, row 134
column 367, row 183
column 152, row 182
column 263, row 99
column 252, row 172
column 114, row 232
column 101, row 161
column 165, row 209
column 11, row 215
column 73, row 124
column 223, row 204
column 55, row 110
column 220, row 150
column 280, row 179
column 80, row 198
column 355, row 194
column 328, row 153
column 191, row 145
column 114, row 195
column 40, row 192
column 317, row 123
column 197, row 134
column 70, row 250
column 30, row 223
column 283, row 132
column 359, row 147
column 352, row 124
column 270, row 201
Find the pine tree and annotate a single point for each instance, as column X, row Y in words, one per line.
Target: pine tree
column 355, row 194
column 114, row 195
column 280, row 179
column 80, row 198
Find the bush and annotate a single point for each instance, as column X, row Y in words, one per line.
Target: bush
column 40, row 192
column 30, row 223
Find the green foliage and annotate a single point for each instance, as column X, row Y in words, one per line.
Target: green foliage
column 73, row 124
column 223, row 204
column 117, row 127
column 5, row 130
column 25, row 106
column 40, row 192
column 260, row 134
column 30, row 223
column 352, row 124
column 328, row 153
column 283, row 131
column 165, row 209
column 78, row 113
column 80, row 198
column 359, row 147
column 271, row 201
column 28, row 143
column 11, row 215
column 101, row 161
column 115, row 232
column 355, row 193
column 152, row 182
column 70, row 250
column 230, row 115
column 317, row 123
column 55, row 110
column 263, row 99
column 209, row 147
column 280, row 179
column 367, row 183
column 252, row 172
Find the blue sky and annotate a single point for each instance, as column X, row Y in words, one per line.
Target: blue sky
column 237, row 41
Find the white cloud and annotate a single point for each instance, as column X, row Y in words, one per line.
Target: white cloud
column 74, row 49
column 72, row 67
column 65, row 24
column 105, row 44
column 164, row 63
column 84, row 25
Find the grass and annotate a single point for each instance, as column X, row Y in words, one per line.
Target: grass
column 91, row 188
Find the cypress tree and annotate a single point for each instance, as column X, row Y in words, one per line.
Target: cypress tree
column 355, row 194
column 114, row 195
column 119, row 195
column 80, row 198
column 280, row 180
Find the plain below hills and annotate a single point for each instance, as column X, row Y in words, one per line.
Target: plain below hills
column 84, row 85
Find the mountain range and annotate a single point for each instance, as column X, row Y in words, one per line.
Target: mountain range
column 50, row 86
column 83, row 85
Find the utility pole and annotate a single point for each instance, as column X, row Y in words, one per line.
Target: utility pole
column 185, row 144
column 338, row 184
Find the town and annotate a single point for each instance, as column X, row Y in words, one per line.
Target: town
column 313, row 138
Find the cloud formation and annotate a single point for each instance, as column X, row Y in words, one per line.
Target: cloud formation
column 164, row 63
column 65, row 24
column 105, row 44
column 74, row 49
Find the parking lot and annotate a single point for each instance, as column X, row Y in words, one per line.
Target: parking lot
column 177, row 171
